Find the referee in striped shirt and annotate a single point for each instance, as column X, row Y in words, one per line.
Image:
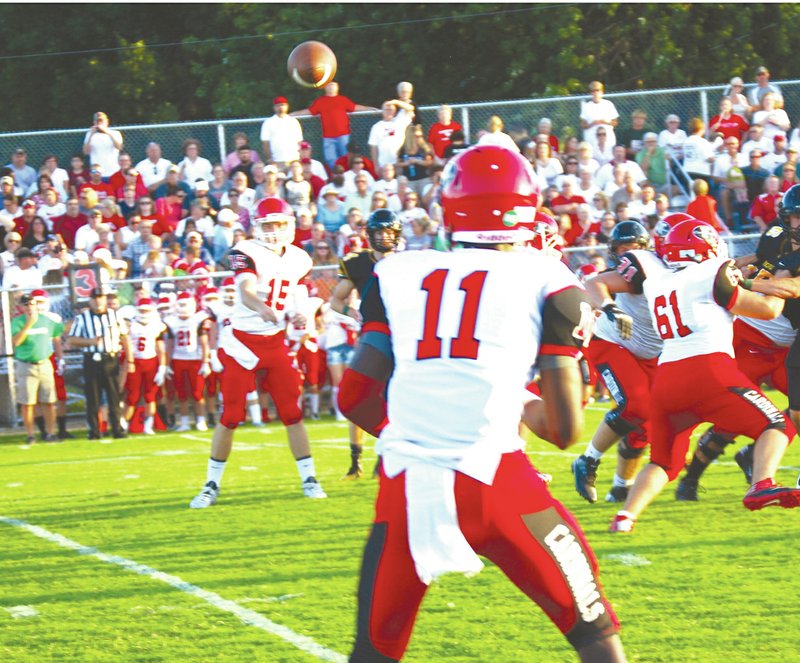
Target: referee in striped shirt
column 101, row 335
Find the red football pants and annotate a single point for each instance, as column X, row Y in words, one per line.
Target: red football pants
column 141, row 383
column 724, row 396
column 187, row 378
column 515, row 523
column 282, row 380
column 758, row 357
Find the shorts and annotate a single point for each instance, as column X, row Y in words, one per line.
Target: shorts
column 187, row 379
column 141, row 383
column 516, row 524
column 282, row 380
column 35, row 382
column 341, row 354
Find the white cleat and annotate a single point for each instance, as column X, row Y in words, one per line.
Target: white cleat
column 201, row 425
column 148, row 430
column 207, row 497
column 312, row 489
column 183, row 428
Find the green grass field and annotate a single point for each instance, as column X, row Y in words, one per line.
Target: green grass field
column 705, row 582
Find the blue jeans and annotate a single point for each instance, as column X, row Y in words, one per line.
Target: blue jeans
column 333, row 148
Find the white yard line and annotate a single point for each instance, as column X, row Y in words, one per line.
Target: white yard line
column 247, row 616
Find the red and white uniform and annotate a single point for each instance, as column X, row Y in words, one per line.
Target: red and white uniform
column 144, row 335
column 306, row 353
column 187, row 352
column 220, row 314
column 468, row 325
column 697, row 378
column 249, row 344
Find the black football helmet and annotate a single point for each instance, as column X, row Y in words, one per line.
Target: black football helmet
column 790, row 204
column 627, row 232
column 385, row 220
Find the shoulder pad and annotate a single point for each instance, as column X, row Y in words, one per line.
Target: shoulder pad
column 775, row 231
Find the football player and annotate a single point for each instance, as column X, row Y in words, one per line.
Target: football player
column 212, row 305
column 268, row 271
column 187, row 347
column 763, row 347
column 384, row 230
column 147, row 333
column 304, row 347
column 693, row 303
column 456, row 333
column 624, row 351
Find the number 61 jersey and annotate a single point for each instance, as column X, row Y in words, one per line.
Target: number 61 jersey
column 465, row 329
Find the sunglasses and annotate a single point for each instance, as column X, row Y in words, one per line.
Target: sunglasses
column 572, row 163
column 322, row 248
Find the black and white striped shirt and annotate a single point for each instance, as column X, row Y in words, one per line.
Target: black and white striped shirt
column 108, row 325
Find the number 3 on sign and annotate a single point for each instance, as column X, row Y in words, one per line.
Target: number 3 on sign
column 464, row 345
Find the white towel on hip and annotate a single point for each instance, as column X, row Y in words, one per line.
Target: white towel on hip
column 436, row 541
column 236, row 349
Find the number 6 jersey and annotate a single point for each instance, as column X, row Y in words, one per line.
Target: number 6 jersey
column 465, row 329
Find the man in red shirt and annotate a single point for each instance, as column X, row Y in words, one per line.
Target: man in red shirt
column 332, row 109
column 439, row 133
column 126, row 174
column 96, row 182
column 567, row 203
column 765, row 207
column 727, row 123
column 68, row 223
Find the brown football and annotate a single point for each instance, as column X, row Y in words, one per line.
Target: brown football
column 312, row 64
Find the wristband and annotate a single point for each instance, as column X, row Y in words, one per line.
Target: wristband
column 747, row 284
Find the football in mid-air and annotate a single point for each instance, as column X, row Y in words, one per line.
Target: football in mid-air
column 312, row 64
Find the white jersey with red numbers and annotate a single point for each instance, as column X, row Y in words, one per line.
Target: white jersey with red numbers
column 691, row 309
column 778, row 330
column 340, row 329
column 144, row 334
column 468, row 325
column 185, row 333
column 276, row 277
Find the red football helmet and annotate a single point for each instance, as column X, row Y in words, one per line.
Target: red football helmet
column 692, row 241
column 489, row 196
column 664, row 226
column 273, row 225
column 585, row 272
column 545, row 234
column 186, row 305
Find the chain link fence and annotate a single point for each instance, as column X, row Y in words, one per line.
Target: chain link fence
column 520, row 116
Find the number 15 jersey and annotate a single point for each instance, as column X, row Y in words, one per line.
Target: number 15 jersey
column 465, row 329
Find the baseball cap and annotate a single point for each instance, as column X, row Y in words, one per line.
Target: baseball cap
column 201, row 185
column 328, row 191
column 193, row 233
column 650, row 135
column 673, row 118
column 762, row 70
column 39, row 294
column 279, row 100
column 305, row 145
column 145, row 302
column 270, row 168
column 7, row 179
column 173, row 169
column 736, row 80
column 779, row 137
column 29, row 203
column 102, row 254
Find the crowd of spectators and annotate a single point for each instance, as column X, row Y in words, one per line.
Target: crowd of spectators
column 148, row 215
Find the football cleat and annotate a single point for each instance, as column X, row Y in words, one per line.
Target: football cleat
column 687, row 490
column 148, row 430
column 618, row 494
column 183, row 428
column 207, row 497
column 585, row 471
column 312, row 489
column 622, row 523
column 356, row 471
column 768, row 493
column 201, row 425
column 744, row 459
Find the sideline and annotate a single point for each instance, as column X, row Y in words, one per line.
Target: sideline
column 249, row 617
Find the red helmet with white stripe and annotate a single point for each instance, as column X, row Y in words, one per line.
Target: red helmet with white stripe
column 273, row 224
column 692, row 241
column 489, row 196
column 662, row 228
column 185, row 305
column 210, row 296
column 229, row 291
column 545, row 235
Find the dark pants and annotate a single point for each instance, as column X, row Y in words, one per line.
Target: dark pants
column 98, row 377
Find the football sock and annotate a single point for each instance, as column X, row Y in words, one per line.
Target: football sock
column 305, row 466
column 40, row 425
column 255, row 413
column 148, row 423
column 215, row 470
column 200, row 419
column 335, row 401
column 591, row 452
column 355, row 453
column 696, row 468
column 622, row 483
column 265, row 414
column 185, row 420
column 313, row 403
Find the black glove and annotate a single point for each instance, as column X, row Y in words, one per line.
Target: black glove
column 622, row 320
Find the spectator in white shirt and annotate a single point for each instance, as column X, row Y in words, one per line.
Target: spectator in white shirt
column 672, row 138
column 756, row 141
column 8, row 258
column 202, row 222
column 154, row 168
column 773, row 118
column 644, row 205
column 585, row 159
column 87, row 236
column 103, row 144
column 246, row 195
column 698, row 153
column 771, row 160
column 281, row 135
column 356, row 168
column 496, row 136
column 388, row 182
column 51, row 208
column 545, row 164
column 387, row 136
column 24, row 275
column 193, row 167
column 598, row 112
column 58, row 176
column 620, row 157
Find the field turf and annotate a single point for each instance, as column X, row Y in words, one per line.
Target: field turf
column 102, row 560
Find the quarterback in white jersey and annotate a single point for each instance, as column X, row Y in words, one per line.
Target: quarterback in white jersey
column 268, row 272
column 147, row 333
column 457, row 333
column 693, row 305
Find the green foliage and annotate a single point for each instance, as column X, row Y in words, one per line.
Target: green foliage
column 158, row 62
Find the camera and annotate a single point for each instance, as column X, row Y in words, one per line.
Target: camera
column 25, row 300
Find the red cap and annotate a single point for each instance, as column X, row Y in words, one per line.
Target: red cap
column 229, row 282
column 180, row 263
column 198, row 267
column 779, row 137
column 146, row 301
column 279, row 100
column 211, row 291
column 185, row 295
column 305, row 145
column 39, row 294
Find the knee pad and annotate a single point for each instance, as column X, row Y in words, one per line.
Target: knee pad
column 628, row 452
column 615, row 422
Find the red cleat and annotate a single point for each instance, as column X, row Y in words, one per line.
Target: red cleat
column 768, row 493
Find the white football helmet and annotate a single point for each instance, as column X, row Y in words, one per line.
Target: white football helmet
column 273, row 225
